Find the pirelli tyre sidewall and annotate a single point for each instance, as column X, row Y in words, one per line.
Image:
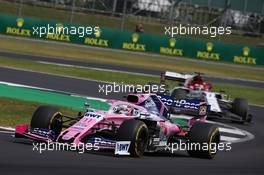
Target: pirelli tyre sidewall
column 204, row 133
column 136, row 132
column 47, row 117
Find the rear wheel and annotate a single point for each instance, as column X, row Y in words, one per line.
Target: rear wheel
column 240, row 108
column 136, row 132
column 46, row 117
column 204, row 138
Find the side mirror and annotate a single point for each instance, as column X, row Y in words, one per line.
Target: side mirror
column 86, row 107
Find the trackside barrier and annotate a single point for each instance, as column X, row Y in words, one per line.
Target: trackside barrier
column 124, row 40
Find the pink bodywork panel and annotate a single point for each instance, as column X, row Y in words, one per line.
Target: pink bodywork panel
column 169, row 128
column 86, row 124
column 192, row 120
column 21, row 128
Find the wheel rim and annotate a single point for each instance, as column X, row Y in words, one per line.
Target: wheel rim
column 215, row 139
column 141, row 141
column 56, row 124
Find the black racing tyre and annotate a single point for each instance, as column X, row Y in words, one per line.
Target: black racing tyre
column 203, row 134
column 179, row 94
column 240, row 108
column 47, row 117
column 136, row 132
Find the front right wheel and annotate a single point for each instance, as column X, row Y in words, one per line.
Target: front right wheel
column 136, row 132
column 203, row 140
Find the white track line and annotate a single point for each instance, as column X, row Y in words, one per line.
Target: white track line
column 7, row 128
column 229, row 139
column 232, row 131
column 45, row 89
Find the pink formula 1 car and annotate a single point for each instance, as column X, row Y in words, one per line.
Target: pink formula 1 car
column 140, row 124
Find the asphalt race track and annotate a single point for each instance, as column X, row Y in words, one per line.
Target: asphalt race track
column 259, row 84
column 17, row 157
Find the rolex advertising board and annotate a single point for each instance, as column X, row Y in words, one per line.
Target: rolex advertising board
column 130, row 41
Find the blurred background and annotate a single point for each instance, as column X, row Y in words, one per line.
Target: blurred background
column 246, row 17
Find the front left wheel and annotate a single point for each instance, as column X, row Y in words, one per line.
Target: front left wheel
column 46, row 117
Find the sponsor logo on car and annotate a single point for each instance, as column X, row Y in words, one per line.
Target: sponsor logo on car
column 122, row 148
column 189, row 104
column 44, row 133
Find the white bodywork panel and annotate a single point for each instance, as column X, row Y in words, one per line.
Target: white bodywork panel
column 212, row 101
column 182, row 77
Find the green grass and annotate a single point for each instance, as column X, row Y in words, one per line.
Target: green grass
column 254, row 95
column 70, row 52
column 111, row 22
column 16, row 111
column 76, row 72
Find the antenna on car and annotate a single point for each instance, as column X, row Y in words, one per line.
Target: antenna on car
column 162, row 78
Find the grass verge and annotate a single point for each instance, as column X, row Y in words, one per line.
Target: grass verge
column 16, row 111
column 132, row 60
column 254, row 95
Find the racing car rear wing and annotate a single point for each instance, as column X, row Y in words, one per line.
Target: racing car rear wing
column 190, row 107
column 167, row 75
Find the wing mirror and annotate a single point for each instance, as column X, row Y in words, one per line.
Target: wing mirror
column 87, row 107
